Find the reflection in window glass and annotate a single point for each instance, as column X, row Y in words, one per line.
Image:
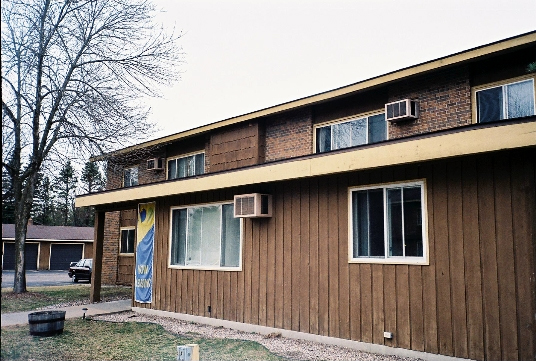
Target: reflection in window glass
column 186, row 166
column 205, row 236
column 389, row 216
column 508, row 101
column 351, row 133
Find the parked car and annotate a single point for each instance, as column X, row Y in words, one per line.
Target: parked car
column 81, row 270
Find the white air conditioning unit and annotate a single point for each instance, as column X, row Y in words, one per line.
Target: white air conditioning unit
column 402, row 110
column 155, row 164
column 252, row 205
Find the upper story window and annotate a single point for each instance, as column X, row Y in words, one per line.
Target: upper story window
column 186, row 166
column 505, row 101
column 206, row 236
column 130, row 177
column 349, row 133
column 127, row 240
column 387, row 224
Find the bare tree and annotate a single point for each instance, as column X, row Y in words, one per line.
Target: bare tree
column 74, row 73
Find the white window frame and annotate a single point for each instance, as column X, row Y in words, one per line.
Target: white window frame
column 137, row 177
column 121, row 229
column 424, row 260
column 185, row 156
column 501, row 83
column 347, row 120
column 205, row 268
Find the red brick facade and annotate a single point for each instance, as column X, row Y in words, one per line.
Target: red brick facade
column 110, row 248
column 444, row 102
column 289, row 136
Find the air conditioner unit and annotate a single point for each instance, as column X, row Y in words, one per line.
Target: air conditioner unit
column 252, row 205
column 402, row 110
column 155, row 164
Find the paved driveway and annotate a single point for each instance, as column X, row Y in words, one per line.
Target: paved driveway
column 38, row 278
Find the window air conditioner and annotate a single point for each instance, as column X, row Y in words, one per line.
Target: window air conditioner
column 155, row 164
column 252, row 205
column 402, row 110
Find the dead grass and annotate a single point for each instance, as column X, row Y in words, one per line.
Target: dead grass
column 99, row 340
column 38, row 297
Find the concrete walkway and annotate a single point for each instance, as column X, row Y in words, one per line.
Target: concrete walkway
column 21, row 318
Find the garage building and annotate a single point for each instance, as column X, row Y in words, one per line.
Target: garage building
column 48, row 247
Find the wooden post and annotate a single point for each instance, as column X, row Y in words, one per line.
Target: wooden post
column 98, row 244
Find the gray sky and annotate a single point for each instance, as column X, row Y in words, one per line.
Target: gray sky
column 242, row 56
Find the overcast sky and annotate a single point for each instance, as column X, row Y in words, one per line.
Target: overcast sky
column 242, row 56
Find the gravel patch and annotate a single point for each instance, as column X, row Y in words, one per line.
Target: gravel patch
column 83, row 302
column 286, row 347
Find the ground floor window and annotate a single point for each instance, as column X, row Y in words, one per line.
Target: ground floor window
column 127, row 240
column 387, row 224
column 205, row 236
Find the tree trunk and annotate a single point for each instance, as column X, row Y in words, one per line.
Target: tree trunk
column 23, row 205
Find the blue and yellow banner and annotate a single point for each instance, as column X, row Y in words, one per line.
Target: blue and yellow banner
column 143, row 288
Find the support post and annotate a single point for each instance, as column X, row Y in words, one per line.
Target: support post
column 98, row 245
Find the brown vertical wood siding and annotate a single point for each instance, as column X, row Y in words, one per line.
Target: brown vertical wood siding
column 476, row 299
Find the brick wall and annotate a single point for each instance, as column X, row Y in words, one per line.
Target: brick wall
column 289, row 136
column 110, row 248
column 115, row 167
column 444, row 102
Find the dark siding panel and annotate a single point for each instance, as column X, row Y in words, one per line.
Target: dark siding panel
column 505, row 258
column 304, row 295
column 344, row 297
column 333, row 253
column 313, row 258
column 295, row 255
column 524, row 218
column 390, row 298
column 431, row 343
column 473, row 268
column 486, row 216
column 279, row 204
column 263, row 271
column 442, row 260
column 323, row 292
column 287, row 259
column 456, row 256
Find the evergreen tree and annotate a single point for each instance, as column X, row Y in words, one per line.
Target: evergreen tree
column 66, row 186
column 91, row 177
column 43, row 209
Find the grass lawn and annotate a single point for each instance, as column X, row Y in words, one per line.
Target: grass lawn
column 99, row 340
column 46, row 296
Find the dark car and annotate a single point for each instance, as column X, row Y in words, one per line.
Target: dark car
column 81, row 270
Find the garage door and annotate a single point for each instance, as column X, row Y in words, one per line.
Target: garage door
column 30, row 256
column 61, row 255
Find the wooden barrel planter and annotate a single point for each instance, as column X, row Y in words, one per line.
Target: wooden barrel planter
column 46, row 323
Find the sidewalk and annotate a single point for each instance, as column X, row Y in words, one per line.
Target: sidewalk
column 21, row 318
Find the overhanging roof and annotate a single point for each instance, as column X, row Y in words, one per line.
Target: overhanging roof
column 462, row 141
column 457, row 58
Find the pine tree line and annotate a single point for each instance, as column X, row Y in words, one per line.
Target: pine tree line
column 53, row 203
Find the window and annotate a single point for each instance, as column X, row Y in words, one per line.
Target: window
column 387, row 224
column 507, row 101
column 130, row 177
column 207, row 237
column 186, row 166
column 127, row 240
column 364, row 130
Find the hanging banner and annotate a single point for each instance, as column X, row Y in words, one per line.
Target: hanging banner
column 143, row 288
